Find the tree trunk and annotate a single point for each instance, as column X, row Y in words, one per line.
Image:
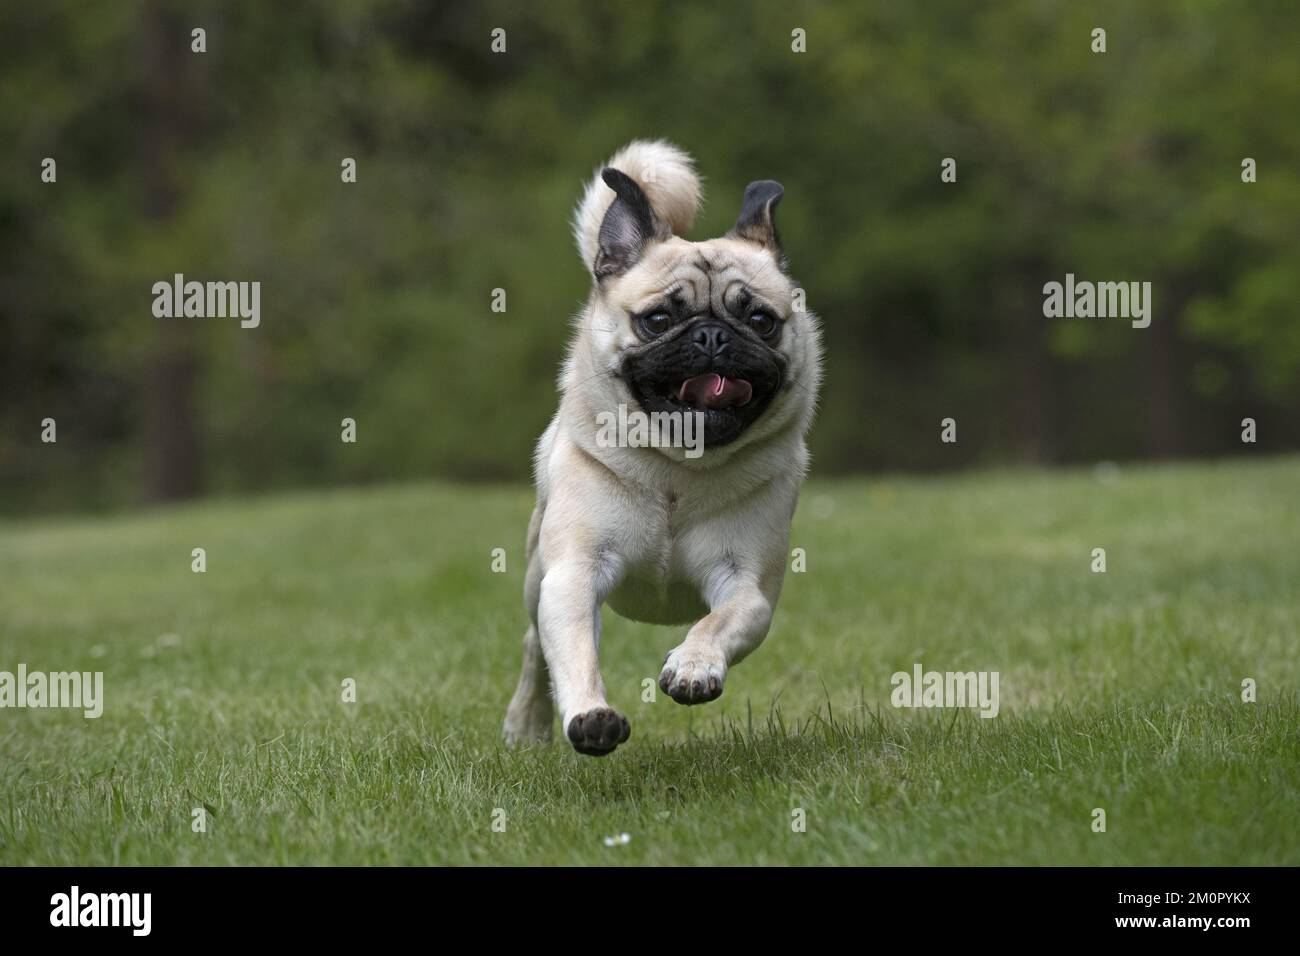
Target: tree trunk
column 1165, row 438
column 171, row 421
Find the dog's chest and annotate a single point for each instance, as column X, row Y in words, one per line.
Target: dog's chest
column 661, row 571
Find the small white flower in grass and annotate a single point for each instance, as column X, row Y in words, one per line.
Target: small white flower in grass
column 620, row 840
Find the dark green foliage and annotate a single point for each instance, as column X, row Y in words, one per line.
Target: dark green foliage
column 1115, row 166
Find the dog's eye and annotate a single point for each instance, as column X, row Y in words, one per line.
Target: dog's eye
column 655, row 325
column 764, row 323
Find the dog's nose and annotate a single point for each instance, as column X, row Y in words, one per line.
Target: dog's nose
column 711, row 338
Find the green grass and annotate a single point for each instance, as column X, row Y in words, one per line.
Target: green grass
column 1118, row 690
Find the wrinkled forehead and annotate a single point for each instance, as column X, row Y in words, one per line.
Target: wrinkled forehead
column 725, row 276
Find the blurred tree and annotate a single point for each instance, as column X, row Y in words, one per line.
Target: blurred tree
column 170, row 85
column 376, row 294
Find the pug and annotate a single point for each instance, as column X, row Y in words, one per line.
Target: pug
column 711, row 333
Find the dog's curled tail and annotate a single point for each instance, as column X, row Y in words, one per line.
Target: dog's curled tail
column 665, row 173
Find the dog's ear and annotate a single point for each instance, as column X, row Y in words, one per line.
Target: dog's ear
column 757, row 222
column 628, row 225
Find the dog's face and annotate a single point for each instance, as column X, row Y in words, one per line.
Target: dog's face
column 710, row 327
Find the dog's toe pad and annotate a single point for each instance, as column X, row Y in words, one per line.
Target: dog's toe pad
column 691, row 680
column 598, row 731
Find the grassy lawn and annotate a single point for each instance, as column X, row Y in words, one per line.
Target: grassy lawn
column 1119, row 690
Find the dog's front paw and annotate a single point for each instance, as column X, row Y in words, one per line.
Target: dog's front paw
column 598, row 731
column 690, row 679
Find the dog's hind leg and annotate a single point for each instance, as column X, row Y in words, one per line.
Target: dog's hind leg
column 531, row 713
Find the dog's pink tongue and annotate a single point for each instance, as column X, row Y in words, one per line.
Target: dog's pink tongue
column 715, row 391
